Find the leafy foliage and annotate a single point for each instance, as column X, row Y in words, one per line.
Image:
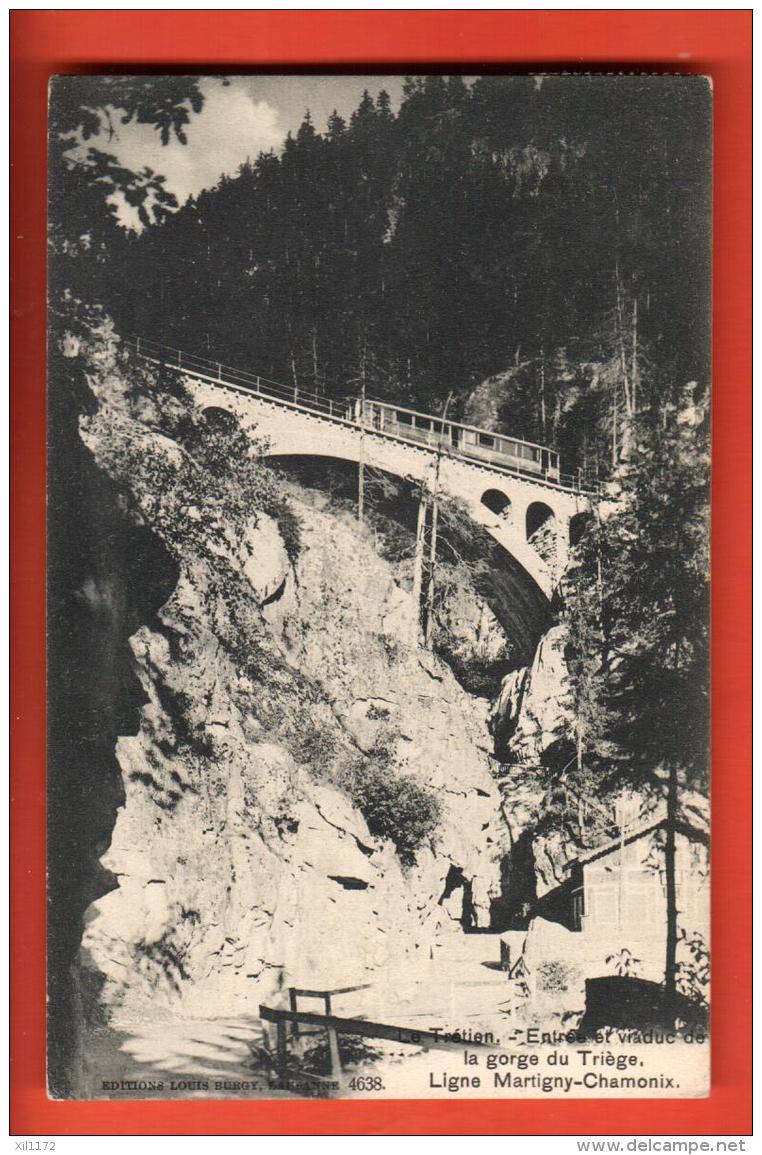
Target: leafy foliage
column 554, row 976
column 693, row 966
column 83, row 110
column 239, row 481
column 88, row 186
column 624, row 963
column 394, row 806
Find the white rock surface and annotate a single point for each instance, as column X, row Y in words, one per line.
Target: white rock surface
column 241, row 865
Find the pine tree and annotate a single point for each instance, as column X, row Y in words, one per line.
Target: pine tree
column 440, row 240
column 638, row 609
column 337, row 126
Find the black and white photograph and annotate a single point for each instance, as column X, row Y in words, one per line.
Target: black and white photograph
column 378, row 586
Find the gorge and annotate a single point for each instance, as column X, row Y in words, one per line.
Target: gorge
column 303, row 790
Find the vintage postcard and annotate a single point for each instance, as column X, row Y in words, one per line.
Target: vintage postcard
column 378, row 586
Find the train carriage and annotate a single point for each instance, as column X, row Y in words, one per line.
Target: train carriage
column 468, row 441
column 462, row 440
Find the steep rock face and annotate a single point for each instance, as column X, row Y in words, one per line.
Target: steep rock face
column 532, row 720
column 351, row 629
column 533, row 712
column 486, row 401
column 469, row 637
column 242, row 863
column 96, row 598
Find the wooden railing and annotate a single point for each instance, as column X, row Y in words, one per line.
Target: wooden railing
column 295, row 993
column 333, row 1026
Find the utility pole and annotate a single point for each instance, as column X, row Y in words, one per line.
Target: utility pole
column 542, row 391
column 623, row 815
column 670, row 886
column 420, row 533
column 580, row 801
column 634, row 371
column 621, row 820
column 670, row 866
column 361, row 466
column 626, row 383
column 620, row 338
column 432, row 564
column 434, row 522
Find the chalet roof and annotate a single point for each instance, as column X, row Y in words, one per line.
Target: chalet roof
column 647, row 826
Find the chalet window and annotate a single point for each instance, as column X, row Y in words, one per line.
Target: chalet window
column 578, row 908
column 685, row 890
column 604, row 905
column 640, row 905
column 643, row 900
column 487, row 441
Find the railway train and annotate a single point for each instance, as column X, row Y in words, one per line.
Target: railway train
column 467, row 441
column 461, row 440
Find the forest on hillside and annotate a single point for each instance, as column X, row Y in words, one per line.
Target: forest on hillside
column 535, row 250
column 536, row 247
column 548, row 233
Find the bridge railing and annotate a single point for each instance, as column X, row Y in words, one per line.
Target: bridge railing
column 347, row 409
column 228, row 375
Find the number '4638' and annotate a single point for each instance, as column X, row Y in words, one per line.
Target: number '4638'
column 366, row 1083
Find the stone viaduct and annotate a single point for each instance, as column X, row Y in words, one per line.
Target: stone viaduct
column 519, row 512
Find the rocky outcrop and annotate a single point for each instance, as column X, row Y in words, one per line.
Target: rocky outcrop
column 533, row 714
column 532, row 723
column 243, row 861
column 486, row 403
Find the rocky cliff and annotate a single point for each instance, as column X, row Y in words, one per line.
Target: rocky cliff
column 308, row 788
column 533, row 712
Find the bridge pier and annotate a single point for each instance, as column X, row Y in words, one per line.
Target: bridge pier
column 562, row 548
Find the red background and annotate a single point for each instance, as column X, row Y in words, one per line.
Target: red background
column 717, row 43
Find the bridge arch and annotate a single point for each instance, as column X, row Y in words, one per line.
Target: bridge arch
column 539, row 516
column 496, row 501
column 542, row 531
column 578, row 524
column 519, row 603
column 217, row 417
